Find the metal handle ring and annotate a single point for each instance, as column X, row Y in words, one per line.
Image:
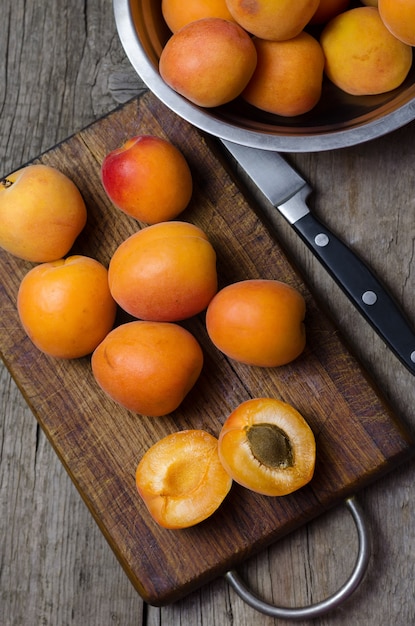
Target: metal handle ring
column 333, row 601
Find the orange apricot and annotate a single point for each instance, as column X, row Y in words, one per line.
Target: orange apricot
column 362, row 56
column 399, row 17
column 208, row 61
column 181, row 479
column 42, row 212
column 288, row 77
column 65, row 306
column 258, row 322
column 273, row 19
column 267, row 446
column 177, row 13
column 147, row 367
column 148, row 178
column 165, row 272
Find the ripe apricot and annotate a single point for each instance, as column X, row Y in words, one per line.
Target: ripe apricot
column 65, row 306
column 288, row 77
column 273, row 19
column 181, row 479
column 327, row 9
column 147, row 367
column 148, row 178
column 41, row 213
column 208, row 61
column 399, row 17
column 177, row 13
column 362, row 56
column 165, row 272
column 258, row 322
column 267, row 446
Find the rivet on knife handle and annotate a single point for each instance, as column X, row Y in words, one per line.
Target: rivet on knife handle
column 287, row 191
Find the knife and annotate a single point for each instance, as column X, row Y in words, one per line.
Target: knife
column 287, row 191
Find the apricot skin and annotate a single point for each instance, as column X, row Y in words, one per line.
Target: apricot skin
column 41, row 213
column 399, row 17
column 147, row 367
column 273, row 19
column 166, row 272
column 362, row 56
column 258, row 322
column 208, row 61
column 288, row 77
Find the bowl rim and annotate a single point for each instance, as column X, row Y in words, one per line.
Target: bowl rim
column 365, row 130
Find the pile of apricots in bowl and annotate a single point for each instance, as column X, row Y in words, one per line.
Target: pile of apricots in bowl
column 274, row 54
column 162, row 274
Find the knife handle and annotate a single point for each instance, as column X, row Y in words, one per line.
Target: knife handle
column 362, row 288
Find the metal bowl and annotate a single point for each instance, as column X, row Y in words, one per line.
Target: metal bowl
column 339, row 120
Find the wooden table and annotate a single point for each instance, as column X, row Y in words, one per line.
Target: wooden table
column 63, row 67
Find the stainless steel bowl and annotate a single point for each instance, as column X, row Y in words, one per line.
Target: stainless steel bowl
column 339, row 120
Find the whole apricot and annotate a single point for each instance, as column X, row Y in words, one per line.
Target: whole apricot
column 181, row 479
column 42, row 212
column 399, row 17
column 288, row 77
column 65, row 306
column 177, row 13
column 258, row 322
column 208, row 61
column 327, row 9
column 147, row 367
column 165, row 272
column 273, row 19
column 362, row 56
column 148, row 178
column 267, row 446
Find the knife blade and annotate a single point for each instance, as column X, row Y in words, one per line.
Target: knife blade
column 287, row 191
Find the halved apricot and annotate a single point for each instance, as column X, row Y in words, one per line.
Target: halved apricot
column 267, row 446
column 181, row 479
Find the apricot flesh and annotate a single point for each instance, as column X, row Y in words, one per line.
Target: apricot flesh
column 208, row 61
column 362, row 56
column 181, row 479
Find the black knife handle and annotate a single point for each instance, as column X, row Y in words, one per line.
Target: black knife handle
column 362, row 287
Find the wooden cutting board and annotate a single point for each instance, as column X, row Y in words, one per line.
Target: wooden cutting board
column 358, row 437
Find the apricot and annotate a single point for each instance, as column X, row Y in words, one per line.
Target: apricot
column 258, row 322
column 273, row 19
column 181, row 479
column 399, row 17
column 147, row 178
column 177, row 13
column 362, row 56
column 208, row 61
column 288, row 77
column 327, row 9
column 65, row 306
column 267, row 446
column 42, row 212
column 165, row 272
column 147, row 367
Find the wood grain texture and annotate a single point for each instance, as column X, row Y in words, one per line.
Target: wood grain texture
column 55, row 565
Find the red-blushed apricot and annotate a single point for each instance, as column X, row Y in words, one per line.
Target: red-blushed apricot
column 181, row 479
column 148, row 367
column 258, row 322
column 273, row 19
column 165, row 272
column 66, row 307
column 148, row 178
column 267, row 446
column 362, row 56
column 42, row 212
column 288, row 77
column 208, row 61
column 177, row 13
column 399, row 17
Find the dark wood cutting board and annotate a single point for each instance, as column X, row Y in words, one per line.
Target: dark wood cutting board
column 358, row 436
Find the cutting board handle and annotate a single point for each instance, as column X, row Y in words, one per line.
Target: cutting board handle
column 333, row 601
